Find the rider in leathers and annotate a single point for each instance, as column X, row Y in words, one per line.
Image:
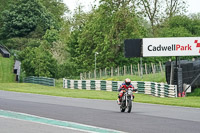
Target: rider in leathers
column 127, row 84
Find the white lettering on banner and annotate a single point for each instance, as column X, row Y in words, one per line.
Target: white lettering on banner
column 177, row 46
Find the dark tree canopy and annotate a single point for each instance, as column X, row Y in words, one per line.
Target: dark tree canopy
column 24, row 17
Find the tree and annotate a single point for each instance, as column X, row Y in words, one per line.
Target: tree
column 38, row 62
column 24, row 17
column 175, row 7
column 57, row 8
column 159, row 10
column 180, row 26
column 103, row 30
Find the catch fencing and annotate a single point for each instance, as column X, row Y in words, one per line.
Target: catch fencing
column 138, row 69
column 40, row 80
column 150, row 88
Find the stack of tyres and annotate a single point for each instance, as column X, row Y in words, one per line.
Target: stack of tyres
column 79, row 84
column 98, row 84
column 75, row 84
column 159, row 90
column 108, row 85
column 84, row 84
column 92, row 85
column 141, row 87
column 103, row 85
column 153, row 89
column 166, row 89
column 114, row 86
column 88, row 85
column 68, row 84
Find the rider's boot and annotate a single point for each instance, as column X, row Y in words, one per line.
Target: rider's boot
column 118, row 101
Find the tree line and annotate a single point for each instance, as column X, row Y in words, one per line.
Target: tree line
column 50, row 41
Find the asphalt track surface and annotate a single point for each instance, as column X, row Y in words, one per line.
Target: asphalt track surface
column 144, row 118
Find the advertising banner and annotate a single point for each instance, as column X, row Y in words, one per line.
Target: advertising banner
column 177, row 46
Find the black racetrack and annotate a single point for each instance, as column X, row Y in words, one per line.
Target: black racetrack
column 144, row 118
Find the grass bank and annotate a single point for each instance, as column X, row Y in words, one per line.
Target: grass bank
column 6, row 70
column 157, row 77
column 191, row 101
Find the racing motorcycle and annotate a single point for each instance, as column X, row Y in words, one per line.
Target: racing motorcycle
column 127, row 98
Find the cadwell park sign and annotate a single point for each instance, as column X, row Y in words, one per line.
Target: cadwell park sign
column 160, row 47
column 180, row 46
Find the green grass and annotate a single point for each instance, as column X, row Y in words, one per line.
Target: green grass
column 157, row 77
column 190, row 101
column 6, row 70
column 195, row 93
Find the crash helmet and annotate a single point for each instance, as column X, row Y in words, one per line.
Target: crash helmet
column 127, row 81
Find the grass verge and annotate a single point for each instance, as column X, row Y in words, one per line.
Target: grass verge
column 157, row 77
column 190, row 101
column 6, row 70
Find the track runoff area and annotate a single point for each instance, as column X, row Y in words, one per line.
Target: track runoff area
column 74, row 127
column 162, row 47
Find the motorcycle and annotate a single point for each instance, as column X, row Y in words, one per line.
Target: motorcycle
column 126, row 101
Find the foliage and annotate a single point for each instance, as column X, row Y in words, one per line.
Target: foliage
column 38, row 62
column 4, row 6
column 57, row 8
column 156, row 11
column 24, row 17
column 181, row 26
column 104, row 32
column 51, row 36
column 20, row 43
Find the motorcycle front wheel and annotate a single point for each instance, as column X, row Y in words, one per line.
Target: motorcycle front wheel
column 129, row 105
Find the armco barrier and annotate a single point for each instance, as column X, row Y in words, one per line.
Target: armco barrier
column 40, row 80
column 150, row 88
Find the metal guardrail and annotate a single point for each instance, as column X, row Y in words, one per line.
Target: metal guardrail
column 40, row 80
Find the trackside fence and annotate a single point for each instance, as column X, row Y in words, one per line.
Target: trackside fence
column 40, row 80
column 138, row 69
column 150, row 88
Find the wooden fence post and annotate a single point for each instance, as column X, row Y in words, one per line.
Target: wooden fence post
column 89, row 75
column 172, row 73
column 152, row 67
column 146, row 68
column 111, row 71
column 131, row 69
column 160, row 67
column 124, row 70
column 118, row 70
column 80, row 76
column 85, row 76
column 100, row 73
column 138, row 69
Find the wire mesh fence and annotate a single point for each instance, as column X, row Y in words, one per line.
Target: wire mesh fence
column 125, row 70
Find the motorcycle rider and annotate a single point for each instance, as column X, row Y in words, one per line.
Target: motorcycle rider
column 125, row 85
